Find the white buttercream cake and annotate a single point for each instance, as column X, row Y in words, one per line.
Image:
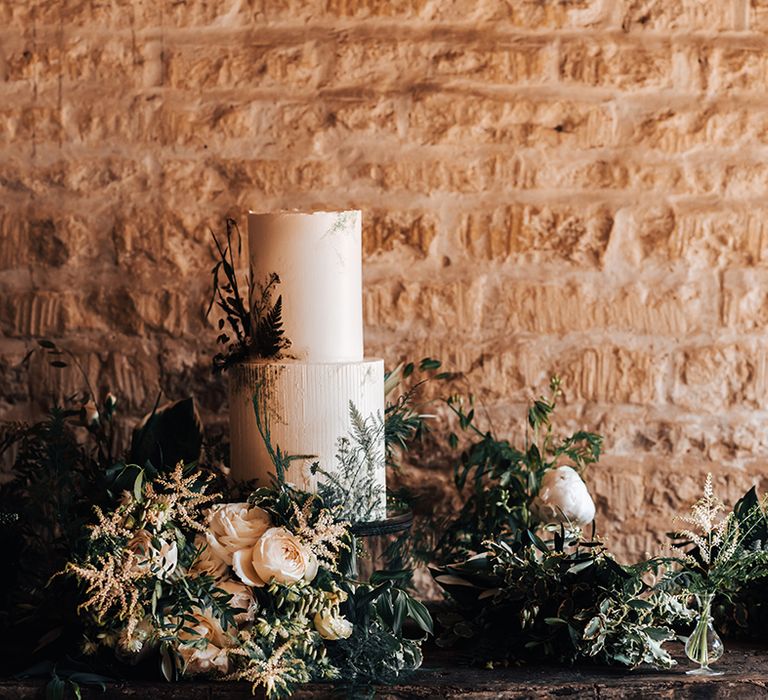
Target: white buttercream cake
column 306, row 391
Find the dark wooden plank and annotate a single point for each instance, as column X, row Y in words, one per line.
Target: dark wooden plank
column 746, row 677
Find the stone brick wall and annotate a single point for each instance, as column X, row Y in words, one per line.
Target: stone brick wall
column 571, row 186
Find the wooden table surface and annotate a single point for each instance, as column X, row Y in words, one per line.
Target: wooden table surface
column 746, row 677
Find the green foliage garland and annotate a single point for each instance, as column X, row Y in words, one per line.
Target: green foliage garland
column 562, row 600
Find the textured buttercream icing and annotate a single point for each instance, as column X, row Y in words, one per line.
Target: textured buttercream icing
column 306, row 406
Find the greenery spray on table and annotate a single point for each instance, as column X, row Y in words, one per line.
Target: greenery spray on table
column 725, row 553
column 526, row 585
column 531, row 586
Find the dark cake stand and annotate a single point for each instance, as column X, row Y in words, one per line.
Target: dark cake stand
column 377, row 533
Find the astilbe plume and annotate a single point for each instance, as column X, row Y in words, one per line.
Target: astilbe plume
column 111, row 572
column 184, row 496
column 722, row 558
column 715, row 535
column 110, row 586
column 112, row 527
column 110, row 577
column 323, row 534
column 281, row 670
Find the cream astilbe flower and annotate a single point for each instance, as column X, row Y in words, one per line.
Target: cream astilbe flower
column 712, row 532
column 272, row 673
column 110, row 578
column 112, row 527
column 183, row 496
column 324, row 538
column 111, row 587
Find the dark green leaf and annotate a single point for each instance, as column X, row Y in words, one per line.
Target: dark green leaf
column 169, row 435
column 420, row 615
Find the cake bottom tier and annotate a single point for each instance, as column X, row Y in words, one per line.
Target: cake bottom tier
column 308, row 410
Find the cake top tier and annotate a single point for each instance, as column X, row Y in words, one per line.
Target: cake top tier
column 318, row 258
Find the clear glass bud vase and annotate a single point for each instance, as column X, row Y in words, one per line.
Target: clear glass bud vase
column 704, row 646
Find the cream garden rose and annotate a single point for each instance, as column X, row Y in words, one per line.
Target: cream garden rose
column 277, row 555
column 242, row 599
column 207, row 657
column 332, row 626
column 563, row 498
column 233, row 527
column 207, row 562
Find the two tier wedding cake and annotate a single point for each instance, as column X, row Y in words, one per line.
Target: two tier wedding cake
column 322, row 402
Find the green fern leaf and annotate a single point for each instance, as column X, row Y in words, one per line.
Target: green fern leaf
column 269, row 331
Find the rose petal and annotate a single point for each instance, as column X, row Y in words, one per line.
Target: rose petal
column 278, row 555
column 217, row 550
column 242, row 565
column 312, row 565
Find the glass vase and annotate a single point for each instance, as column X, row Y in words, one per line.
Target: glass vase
column 704, row 646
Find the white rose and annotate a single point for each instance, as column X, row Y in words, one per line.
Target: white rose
column 207, row 562
column 332, row 626
column 207, row 657
column 160, row 561
column 235, row 526
column 242, row 599
column 563, row 498
column 277, row 555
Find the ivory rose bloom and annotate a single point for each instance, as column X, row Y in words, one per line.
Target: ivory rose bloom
column 332, row 626
column 242, row 598
column 563, row 498
column 207, row 562
column 209, row 657
column 233, row 527
column 160, row 560
column 277, row 555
